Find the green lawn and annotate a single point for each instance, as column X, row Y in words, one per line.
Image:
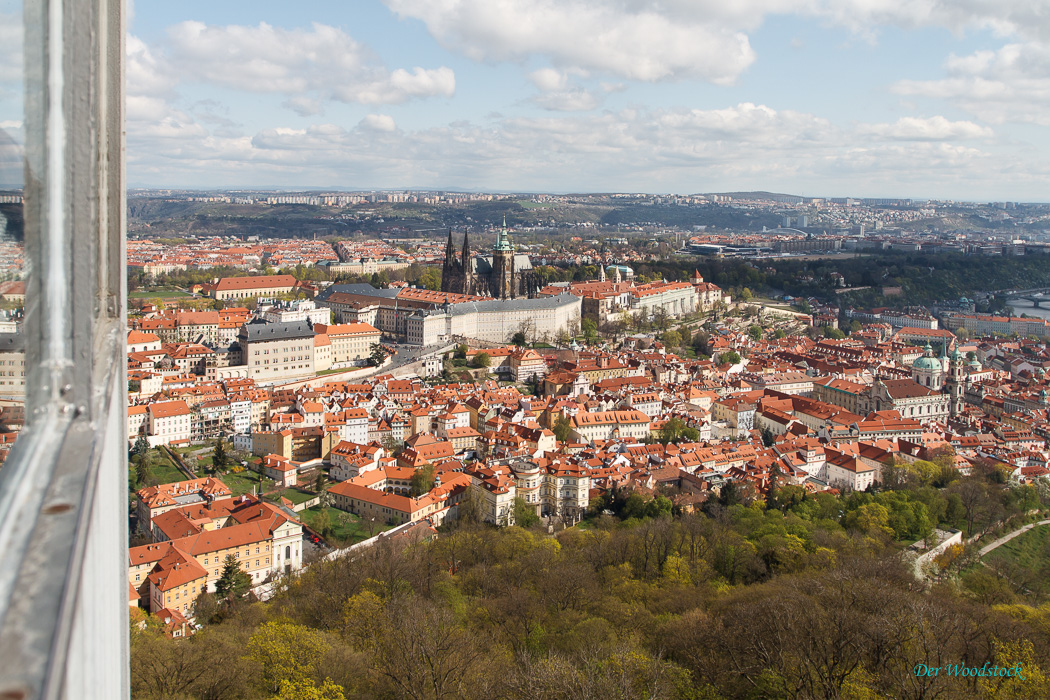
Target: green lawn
column 1027, row 550
column 298, row 496
column 334, row 371
column 165, row 293
column 347, row 528
column 241, row 483
column 163, row 471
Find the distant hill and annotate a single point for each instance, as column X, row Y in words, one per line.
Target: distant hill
column 768, row 196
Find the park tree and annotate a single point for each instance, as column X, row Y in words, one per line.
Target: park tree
column 422, row 480
column 471, row 509
column 144, row 464
column 755, row 332
column 377, row 355
column 323, row 522
column 430, row 279
column 482, row 359
column 701, row 343
column 519, row 339
column 234, row 583
column 524, row 513
column 220, row 458
column 141, row 446
column 732, row 357
column 672, row 339
column 676, row 429
column 286, row 653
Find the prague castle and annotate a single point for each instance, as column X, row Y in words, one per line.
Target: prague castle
column 502, row 275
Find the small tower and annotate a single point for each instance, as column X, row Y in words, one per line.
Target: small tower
column 601, row 273
column 955, row 383
column 616, row 275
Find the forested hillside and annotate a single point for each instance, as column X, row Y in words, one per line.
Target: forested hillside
column 794, row 596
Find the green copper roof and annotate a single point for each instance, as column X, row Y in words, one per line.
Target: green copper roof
column 503, row 241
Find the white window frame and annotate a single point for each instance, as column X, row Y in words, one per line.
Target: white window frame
column 63, row 489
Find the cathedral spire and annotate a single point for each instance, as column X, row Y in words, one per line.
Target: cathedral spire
column 466, row 251
column 450, row 248
column 503, row 240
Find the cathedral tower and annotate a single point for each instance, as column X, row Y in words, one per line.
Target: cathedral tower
column 503, row 283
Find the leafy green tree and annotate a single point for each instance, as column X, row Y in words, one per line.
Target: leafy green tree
column 562, row 428
column 524, row 514
column 461, row 352
column 732, row 357
column 234, row 583
column 430, row 279
column 470, row 507
column 287, row 653
column 144, row 469
column 220, row 458
column 377, row 355
column 701, row 343
column 519, row 339
column 768, row 439
column 323, row 522
column 676, row 429
column 141, row 446
column 671, row 339
column 482, row 359
column 833, row 333
column 422, row 480
column 755, row 332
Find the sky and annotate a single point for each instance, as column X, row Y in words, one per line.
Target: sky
column 942, row 99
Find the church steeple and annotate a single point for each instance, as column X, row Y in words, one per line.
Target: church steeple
column 503, row 240
column 466, row 252
column 450, row 248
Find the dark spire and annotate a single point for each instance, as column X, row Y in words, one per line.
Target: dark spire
column 466, row 253
column 450, row 248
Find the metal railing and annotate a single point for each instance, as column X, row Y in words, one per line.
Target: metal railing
column 63, row 502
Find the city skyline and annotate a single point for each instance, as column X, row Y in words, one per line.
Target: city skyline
column 815, row 100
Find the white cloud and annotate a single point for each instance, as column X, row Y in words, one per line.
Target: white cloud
column 10, row 48
column 574, row 100
column 400, row 86
column 309, row 66
column 1011, row 84
column 932, row 129
column 549, row 79
column 636, row 40
column 145, row 74
column 657, row 150
column 304, row 106
column 378, row 122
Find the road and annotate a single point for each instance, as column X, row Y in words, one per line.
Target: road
column 1006, row 538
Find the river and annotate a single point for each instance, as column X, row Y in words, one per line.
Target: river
column 1025, row 307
